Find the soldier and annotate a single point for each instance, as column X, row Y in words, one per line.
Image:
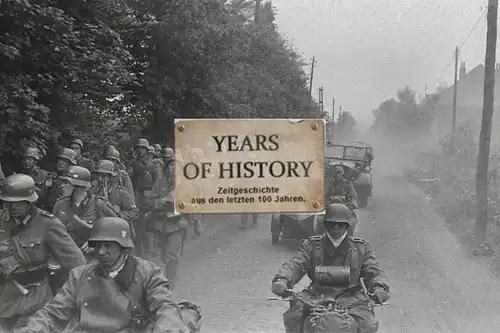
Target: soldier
column 77, row 146
column 169, row 229
column 341, row 187
column 119, row 199
column 167, row 154
column 335, row 263
column 121, row 173
column 31, row 235
column 152, row 155
column 145, row 172
column 137, row 294
column 78, row 209
column 157, row 150
column 65, row 159
column 31, row 157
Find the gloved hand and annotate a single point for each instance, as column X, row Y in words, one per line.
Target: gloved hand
column 380, row 295
column 280, row 288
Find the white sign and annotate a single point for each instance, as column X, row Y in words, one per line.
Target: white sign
column 249, row 165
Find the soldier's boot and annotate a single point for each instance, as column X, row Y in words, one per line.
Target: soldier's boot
column 197, row 227
column 243, row 223
column 255, row 219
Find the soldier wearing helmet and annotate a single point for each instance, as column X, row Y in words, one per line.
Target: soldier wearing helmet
column 168, row 228
column 30, row 238
column 53, row 190
column 77, row 146
column 152, row 154
column 119, row 200
column 138, row 297
column 145, row 172
column 340, row 186
column 157, row 147
column 122, row 177
column 30, row 158
column 335, row 263
column 78, row 209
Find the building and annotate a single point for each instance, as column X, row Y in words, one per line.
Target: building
column 470, row 88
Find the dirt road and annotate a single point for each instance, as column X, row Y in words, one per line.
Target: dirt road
column 435, row 286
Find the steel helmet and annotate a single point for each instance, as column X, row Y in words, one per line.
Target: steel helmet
column 167, row 152
column 157, row 146
column 106, row 167
column 338, row 213
column 18, row 187
column 111, row 229
column 151, row 150
column 112, row 155
column 68, row 154
column 32, row 152
column 78, row 176
column 78, row 142
column 142, row 143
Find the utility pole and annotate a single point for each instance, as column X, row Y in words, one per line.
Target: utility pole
column 320, row 99
column 333, row 118
column 311, row 82
column 454, row 101
column 485, row 136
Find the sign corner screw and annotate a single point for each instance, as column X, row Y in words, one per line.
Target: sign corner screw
column 182, row 205
column 181, row 128
column 315, row 204
column 314, row 127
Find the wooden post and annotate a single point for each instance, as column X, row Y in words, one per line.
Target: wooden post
column 485, row 136
column 454, row 101
column 311, row 82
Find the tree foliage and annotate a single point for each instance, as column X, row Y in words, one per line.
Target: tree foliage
column 403, row 115
column 73, row 68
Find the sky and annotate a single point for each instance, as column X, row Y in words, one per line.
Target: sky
column 366, row 50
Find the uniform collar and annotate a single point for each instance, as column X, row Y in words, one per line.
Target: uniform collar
column 336, row 242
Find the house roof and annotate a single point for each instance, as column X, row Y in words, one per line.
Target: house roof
column 470, row 89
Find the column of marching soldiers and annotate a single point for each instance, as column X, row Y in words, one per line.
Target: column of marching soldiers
column 92, row 211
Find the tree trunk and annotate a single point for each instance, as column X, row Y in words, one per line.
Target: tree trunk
column 485, row 136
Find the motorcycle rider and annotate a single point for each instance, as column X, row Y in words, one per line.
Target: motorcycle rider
column 340, row 186
column 335, row 263
column 30, row 238
column 118, row 293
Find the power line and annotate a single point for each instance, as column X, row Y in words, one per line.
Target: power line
column 463, row 43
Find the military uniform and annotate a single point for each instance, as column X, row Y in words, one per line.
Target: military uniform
column 169, row 229
column 123, row 203
column 40, row 176
column 85, row 162
column 144, row 175
column 88, row 211
column 52, row 191
column 137, row 294
column 125, row 181
column 342, row 188
column 25, row 250
column 335, row 267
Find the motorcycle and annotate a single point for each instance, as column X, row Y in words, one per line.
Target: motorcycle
column 316, row 307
